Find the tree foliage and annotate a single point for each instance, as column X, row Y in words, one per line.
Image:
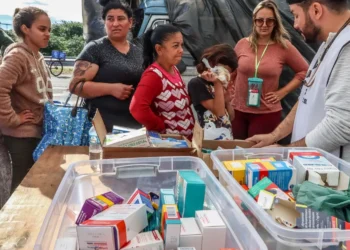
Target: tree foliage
column 66, row 37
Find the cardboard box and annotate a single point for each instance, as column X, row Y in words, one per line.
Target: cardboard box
column 171, row 226
column 293, row 152
column 284, row 212
column 113, row 228
column 127, row 152
column 190, row 193
column 97, row 204
column 213, row 229
column 199, row 143
column 281, row 173
column 238, row 168
column 148, row 240
column 316, row 169
column 190, row 235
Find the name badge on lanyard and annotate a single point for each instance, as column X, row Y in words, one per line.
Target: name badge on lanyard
column 255, row 83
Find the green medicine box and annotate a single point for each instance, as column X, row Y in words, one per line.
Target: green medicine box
column 190, row 193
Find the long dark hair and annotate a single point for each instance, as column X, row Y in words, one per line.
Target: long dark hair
column 153, row 37
column 114, row 5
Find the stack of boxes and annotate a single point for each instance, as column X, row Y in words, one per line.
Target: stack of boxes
column 106, row 223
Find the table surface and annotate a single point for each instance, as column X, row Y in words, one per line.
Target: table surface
column 23, row 214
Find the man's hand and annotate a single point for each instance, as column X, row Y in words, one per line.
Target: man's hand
column 26, row 116
column 122, row 91
column 262, row 140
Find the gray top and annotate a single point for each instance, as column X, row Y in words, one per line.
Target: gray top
column 334, row 130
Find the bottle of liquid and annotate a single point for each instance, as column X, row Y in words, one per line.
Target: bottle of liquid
column 95, row 148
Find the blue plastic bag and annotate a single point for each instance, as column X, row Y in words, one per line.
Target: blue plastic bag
column 65, row 126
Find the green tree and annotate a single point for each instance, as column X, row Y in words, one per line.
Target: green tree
column 66, row 37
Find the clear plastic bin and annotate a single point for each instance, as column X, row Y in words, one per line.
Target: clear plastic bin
column 123, row 176
column 275, row 235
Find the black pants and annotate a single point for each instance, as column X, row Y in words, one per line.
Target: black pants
column 21, row 153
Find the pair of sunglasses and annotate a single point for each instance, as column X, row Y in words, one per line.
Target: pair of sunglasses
column 269, row 22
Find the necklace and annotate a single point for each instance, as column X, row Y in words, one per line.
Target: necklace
column 320, row 60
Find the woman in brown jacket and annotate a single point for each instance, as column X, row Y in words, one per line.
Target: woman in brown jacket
column 25, row 86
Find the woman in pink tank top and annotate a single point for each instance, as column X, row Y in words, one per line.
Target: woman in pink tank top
column 256, row 97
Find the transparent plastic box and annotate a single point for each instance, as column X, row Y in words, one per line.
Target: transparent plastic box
column 123, row 176
column 275, row 235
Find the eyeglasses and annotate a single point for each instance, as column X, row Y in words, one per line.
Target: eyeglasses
column 269, row 22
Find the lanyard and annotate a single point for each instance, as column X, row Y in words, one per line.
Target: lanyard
column 257, row 64
column 319, row 61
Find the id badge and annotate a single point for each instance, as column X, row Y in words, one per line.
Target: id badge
column 254, row 91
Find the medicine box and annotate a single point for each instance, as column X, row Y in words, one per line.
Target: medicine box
column 317, row 166
column 148, row 240
column 190, row 193
column 238, row 168
column 170, row 226
column 293, row 153
column 97, row 204
column 213, row 229
column 190, row 235
column 281, row 173
column 167, row 197
column 112, row 228
column 140, row 197
column 267, row 185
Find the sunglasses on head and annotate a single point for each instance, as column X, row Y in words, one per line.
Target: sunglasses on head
column 269, row 22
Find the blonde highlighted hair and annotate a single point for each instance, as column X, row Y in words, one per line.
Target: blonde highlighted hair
column 279, row 34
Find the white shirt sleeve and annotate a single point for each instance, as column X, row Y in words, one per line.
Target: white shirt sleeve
column 334, row 129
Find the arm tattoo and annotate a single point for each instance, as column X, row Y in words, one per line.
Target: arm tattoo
column 79, row 71
column 81, row 68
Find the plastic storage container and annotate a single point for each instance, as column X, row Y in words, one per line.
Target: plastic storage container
column 275, row 235
column 149, row 174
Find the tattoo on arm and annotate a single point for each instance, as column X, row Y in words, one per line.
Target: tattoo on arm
column 79, row 71
column 81, row 68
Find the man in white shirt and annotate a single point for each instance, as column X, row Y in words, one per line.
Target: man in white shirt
column 321, row 117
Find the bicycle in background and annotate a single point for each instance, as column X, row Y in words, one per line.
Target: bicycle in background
column 55, row 64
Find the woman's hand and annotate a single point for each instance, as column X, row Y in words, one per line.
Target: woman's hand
column 210, row 77
column 275, row 97
column 26, row 116
column 122, row 91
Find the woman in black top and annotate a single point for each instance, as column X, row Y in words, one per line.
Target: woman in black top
column 112, row 68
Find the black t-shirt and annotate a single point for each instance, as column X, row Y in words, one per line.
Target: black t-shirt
column 114, row 67
column 215, row 128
